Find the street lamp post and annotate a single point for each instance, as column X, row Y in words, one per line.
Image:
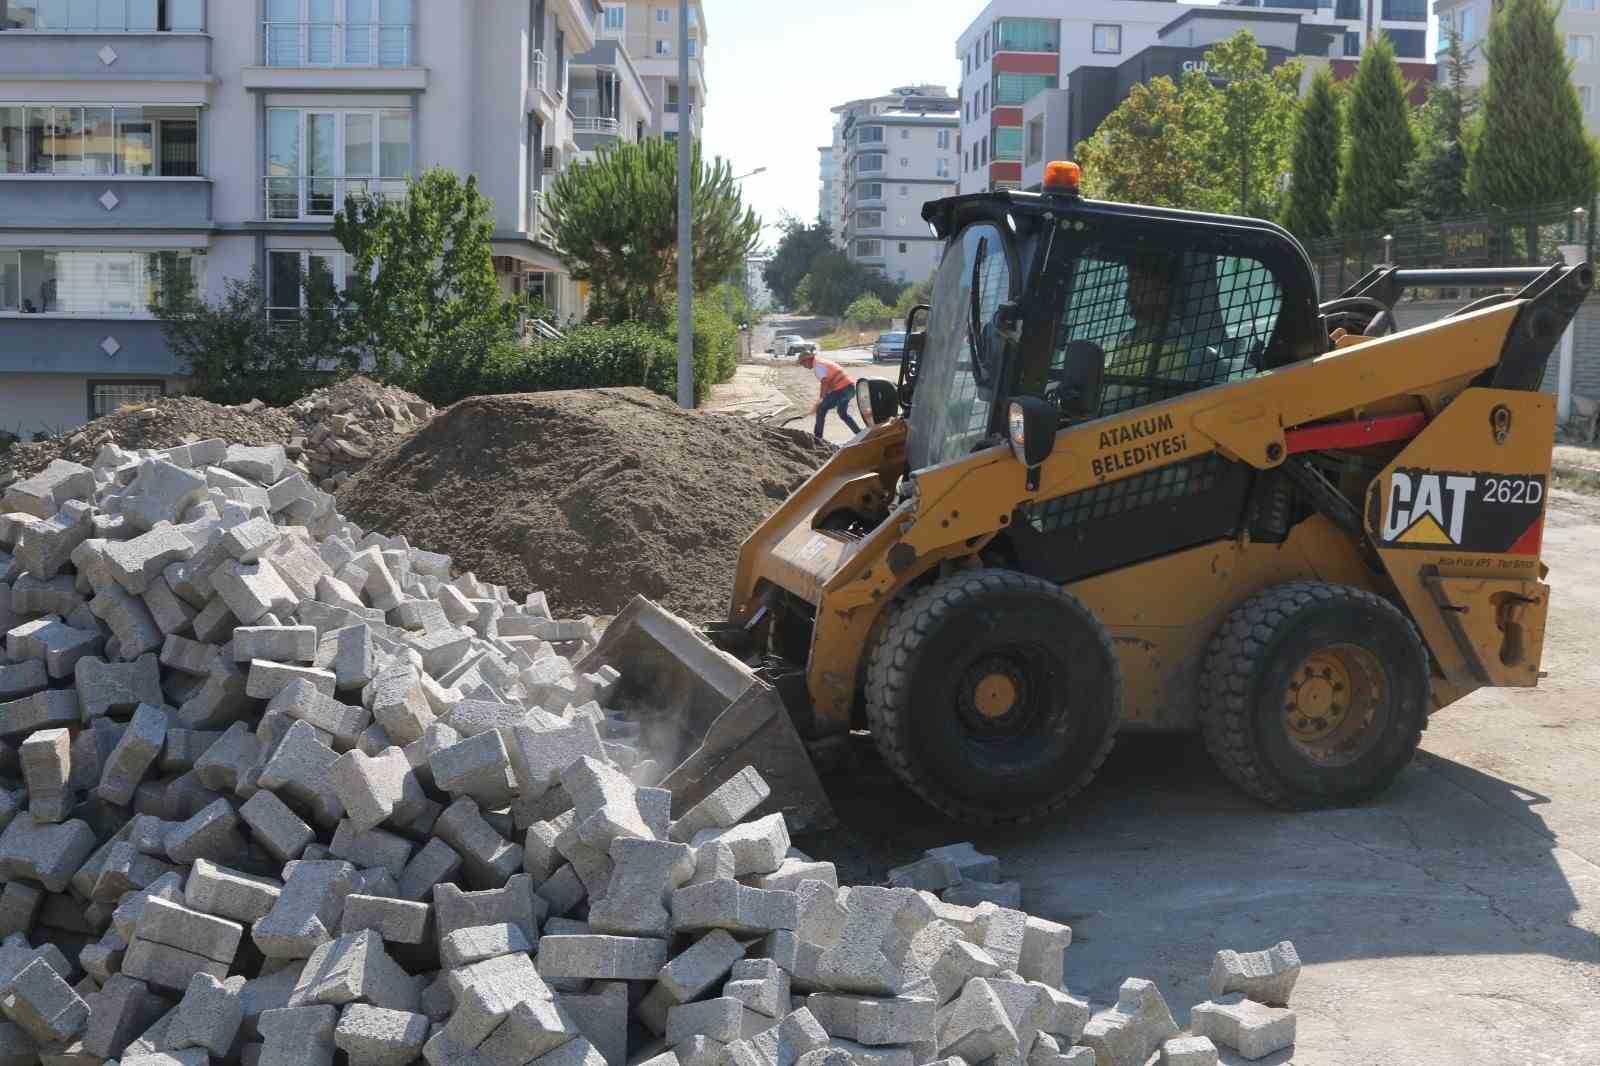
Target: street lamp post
column 685, row 218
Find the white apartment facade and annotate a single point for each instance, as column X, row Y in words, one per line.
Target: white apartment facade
column 1578, row 23
column 139, row 137
column 896, row 152
column 648, row 31
column 828, row 172
column 1404, row 21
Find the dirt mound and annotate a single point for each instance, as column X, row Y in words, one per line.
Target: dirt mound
column 591, row 496
column 344, row 426
column 163, row 423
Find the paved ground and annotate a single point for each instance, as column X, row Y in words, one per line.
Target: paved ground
column 1457, row 920
column 765, row 382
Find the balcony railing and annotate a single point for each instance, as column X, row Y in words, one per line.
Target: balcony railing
column 537, row 70
column 307, row 198
column 594, row 124
column 536, row 223
column 335, row 44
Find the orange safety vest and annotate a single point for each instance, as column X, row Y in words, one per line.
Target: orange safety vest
column 835, row 378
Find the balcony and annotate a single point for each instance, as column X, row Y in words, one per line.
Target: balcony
column 306, row 198
column 152, row 57
column 595, row 124
column 336, row 55
column 538, row 221
column 47, row 201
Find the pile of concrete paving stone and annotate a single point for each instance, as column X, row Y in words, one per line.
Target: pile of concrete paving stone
column 280, row 792
column 344, row 426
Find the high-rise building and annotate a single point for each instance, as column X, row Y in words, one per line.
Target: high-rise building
column 140, row 138
column 1404, row 22
column 649, row 32
column 894, row 153
column 829, row 173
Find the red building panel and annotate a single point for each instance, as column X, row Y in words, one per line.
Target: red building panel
column 1005, row 172
column 1418, row 76
column 1007, row 116
column 1027, row 63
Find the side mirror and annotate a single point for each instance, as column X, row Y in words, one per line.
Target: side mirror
column 1033, row 423
column 1077, row 391
column 877, row 400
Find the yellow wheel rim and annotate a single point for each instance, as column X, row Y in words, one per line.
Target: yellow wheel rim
column 995, row 695
column 1330, row 698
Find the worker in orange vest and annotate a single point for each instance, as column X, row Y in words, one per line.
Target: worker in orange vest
column 838, row 389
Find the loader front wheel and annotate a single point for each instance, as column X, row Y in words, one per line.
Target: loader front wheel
column 994, row 695
column 1314, row 695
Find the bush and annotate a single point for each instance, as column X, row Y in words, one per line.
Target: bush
column 867, row 310
column 589, row 357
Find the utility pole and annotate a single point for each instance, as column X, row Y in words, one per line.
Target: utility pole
column 685, row 219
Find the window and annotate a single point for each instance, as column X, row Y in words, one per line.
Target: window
column 869, row 163
column 983, row 151
column 1586, row 98
column 1008, row 143
column 986, row 99
column 905, row 161
column 354, row 33
column 664, row 16
column 872, row 190
column 904, row 247
column 869, row 219
column 941, row 168
column 694, row 48
column 1352, row 43
column 616, row 19
column 1408, row 44
column 131, row 141
column 943, row 139
column 1573, row 5
column 1406, row 10
column 869, row 249
column 1018, row 89
column 1035, row 149
column 905, row 190
column 1107, row 39
column 302, row 281
column 672, row 100
column 1469, row 24
column 317, row 159
column 1028, row 35
column 1580, row 47
column 871, row 134
column 663, row 46
column 108, row 396
column 105, row 16
column 986, row 50
column 94, row 284
column 905, row 133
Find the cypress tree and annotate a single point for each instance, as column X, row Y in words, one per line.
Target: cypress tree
column 1439, row 173
column 1381, row 142
column 1314, row 163
column 1532, row 149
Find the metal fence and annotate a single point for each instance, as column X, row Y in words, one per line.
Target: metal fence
column 1498, row 238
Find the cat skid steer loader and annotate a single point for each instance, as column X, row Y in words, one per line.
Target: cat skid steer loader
column 1136, row 477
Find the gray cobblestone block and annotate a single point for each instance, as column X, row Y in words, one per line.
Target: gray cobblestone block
column 724, row 1020
column 54, row 642
column 279, row 644
column 762, row 986
column 378, row 1036
column 275, row 827
column 159, row 492
column 135, row 563
column 602, row 958
column 18, row 905
column 23, row 679
column 264, row 464
column 162, row 921
column 782, row 1045
column 46, row 766
column 251, row 590
column 1065, row 1016
column 267, row 679
column 488, row 859
column 227, row 893
column 297, row 1036
column 692, row 973
column 229, row 758
column 184, row 748
column 46, row 545
column 1129, row 1033
column 124, row 870
column 308, row 909
column 208, row 1016
column 725, row 807
column 134, row 754
column 874, row 1020
column 131, row 624
column 350, row 655
column 299, row 768
column 532, row 1028
column 1253, row 1029
column 42, row 710
column 478, row 767
column 249, row 539
column 1044, row 946
column 975, row 1025
column 335, row 593
column 644, row 875
column 102, row 960
column 758, row 847
column 43, row 852
column 119, row 1012
column 171, row 613
column 541, row 752
column 601, row 1015
column 377, row 788
column 308, row 696
column 1265, row 976
column 125, row 918
column 219, row 701
column 45, row 1005
column 606, row 803
column 791, row 872
column 399, row 704
column 211, row 833
column 398, row 921
column 165, row 968
column 540, row 856
column 1006, row 894
column 56, row 595
column 462, row 947
column 487, row 992
column 187, row 656
column 354, row 968
column 434, row 863
column 43, row 494
column 371, row 848
column 959, row 963
column 871, row 953
column 1186, row 1051
column 593, row 865
column 1002, row 932
column 927, row 874
column 737, row 908
column 216, row 622
column 426, row 615
column 562, row 890
column 514, row 903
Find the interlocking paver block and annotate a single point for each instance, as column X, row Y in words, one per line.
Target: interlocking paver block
column 307, row 910
column 354, row 968
column 25, row 678
column 269, row 679
column 602, row 958
column 487, row 992
column 297, row 1036
column 514, row 903
column 159, row 492
column 163, row 922
column 875, row 1020
column 57, row 644
column 279, row 644
column 1188, row 1051
column 46, row 765
column 927, row 874
column 252, row 590
column 350, row 654
column 1264, row 976
column 300, row 769
column 228, row 893
column 398, row 921
column 1044, row 944
column 487, row 857
column 792, row 871
column 434, row 863
column 132, row 625
column 48, row 544
column 870, row 954
column 119, row 1012
column 247, row 540
column 1253, row 1029
column 262, row 464
column 42, row 710
column 532, row 1028
column 116, row 688
column 275, row 827
column 542, row 750
column 399, row 704
column 210, row 833
column 1129, row 1033
column 758, row 847
column 44, row 852
column 208, row 1016
column 371, row 848
column 476, row 943
column 722, row 1019
column 43, row 494
column 45, row 1005
column 476, row 766
column 726, row 904
column 377, row 788
column 644, row 875
column 137, row 562
column 606, row 802
column 959, row 963
column 975, row 1025
column 378, row 1036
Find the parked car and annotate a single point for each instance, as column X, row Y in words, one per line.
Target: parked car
column 803, row 347
column 784, row 344
column 890, row 348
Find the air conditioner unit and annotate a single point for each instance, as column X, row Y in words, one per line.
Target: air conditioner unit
column 552, row 159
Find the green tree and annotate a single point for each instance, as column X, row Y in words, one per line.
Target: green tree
column 1314, row 163
column 1531, row 148
column 1244, row 114
column 911, row 296
column 836, row 283
column 791, row 260
column 616, row 221
column 1146, row 151
column 1438, row 175
column 1381, row 143
column 801, row 298
column 420, row 297
column 865, row 310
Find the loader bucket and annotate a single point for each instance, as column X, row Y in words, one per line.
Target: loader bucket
column 706, row 714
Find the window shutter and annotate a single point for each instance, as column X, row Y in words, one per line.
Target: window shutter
column 550, row 159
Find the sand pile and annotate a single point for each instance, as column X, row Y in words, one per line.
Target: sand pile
column 590, row 496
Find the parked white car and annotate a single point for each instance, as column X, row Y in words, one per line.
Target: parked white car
column 784, row 344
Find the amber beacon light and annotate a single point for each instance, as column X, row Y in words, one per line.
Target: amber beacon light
column 1062, row 176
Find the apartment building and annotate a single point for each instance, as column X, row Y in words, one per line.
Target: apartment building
column 608, row 99
column 1578, row 23
column 896, row 152
column 1405, row 22
column 140, row 138
column 828, row 172
column 648, row 31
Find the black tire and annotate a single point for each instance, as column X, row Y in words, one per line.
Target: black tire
column 1270, row 705
column 963, row 643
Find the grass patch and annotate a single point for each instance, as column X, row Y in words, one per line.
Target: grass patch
column 849, row 338
column 1576, row 479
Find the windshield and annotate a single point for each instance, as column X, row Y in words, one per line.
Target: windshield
column 951, row 412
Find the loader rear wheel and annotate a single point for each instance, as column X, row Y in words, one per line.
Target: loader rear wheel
column 994, row 695
column 1314, row 695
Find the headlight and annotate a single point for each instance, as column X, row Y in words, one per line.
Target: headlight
column 1019, row 431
